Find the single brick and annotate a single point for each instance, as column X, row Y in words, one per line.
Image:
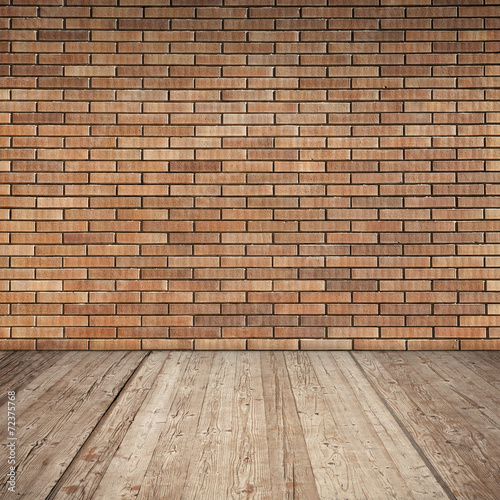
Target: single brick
column 272, row 344
column 325, row 344
column 432, row 345
column 378, row 344
column 167, row 344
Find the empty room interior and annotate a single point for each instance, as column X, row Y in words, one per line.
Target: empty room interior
column 250, row 249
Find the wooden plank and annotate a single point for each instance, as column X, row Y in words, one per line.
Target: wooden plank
column 249, row 451
column 59, row 421
column 334, row 466
column 32, row 397
column 230, row 455
column 51, row 387
column 166, row 473
column 10, row 361
column 290, row 466
column 114, row 453
column 5, row 354
column 348, row 430
column 394, row 445
column 484, row 364
column 18, row 368
column 461, row 377
column 464, row 399
column 232, row 425
column 209, row 473
column 431, row 423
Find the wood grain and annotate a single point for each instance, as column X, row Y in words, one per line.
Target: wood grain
column 210, row 475
column 172, row 452
column 17, row 369
column 57, row 415
column 99, row 461
column 291, row 470
column 265, row 425
column 351, row 431
column 421, row 401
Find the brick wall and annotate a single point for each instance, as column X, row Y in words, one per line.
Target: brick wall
column 235, row 174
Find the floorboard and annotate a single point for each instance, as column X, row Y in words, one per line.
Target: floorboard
column 382, row 463
column 122, row 438
column 290, row 465
column 254, row 425
column 57, row 411
column 18, row 369
column 209, row 473
column 463, row 449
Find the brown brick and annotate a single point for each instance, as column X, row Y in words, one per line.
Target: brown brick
column 432, row 345
column 377, row 344
column 408, row 332
column 272, row 344
column 352, row 332
column 17, row 345
column 36, row 332
column 196, row 332
column 480, row 345
column 62, row 344
column 220, row 344
column 328, row 344
column 167, row 344
column 254, row 166
column 114, row 345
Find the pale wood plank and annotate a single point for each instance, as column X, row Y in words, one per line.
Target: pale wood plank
column 420, row 409
column 230, row 455
column 231, row 425
column 10, row 361
column 59, row 421
column 486, row 365
column 349, row 430
column 404, row 464
column 30, row 400
column 472, row 389
column 209, row 474
column 41, row 401
column 290, row 466
column 333, row 464
column 19, row 368
column 166, row 473
column 470, row 426
column 249, row 457
column 5, row 354
column 117, row 450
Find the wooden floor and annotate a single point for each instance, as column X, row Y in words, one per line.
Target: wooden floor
column 253, row 425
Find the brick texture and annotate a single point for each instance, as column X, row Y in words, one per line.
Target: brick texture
column 249, row 174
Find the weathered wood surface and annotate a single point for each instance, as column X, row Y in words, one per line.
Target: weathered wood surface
column 291, row 470
column 357, row 448
column 153, row 383
column 17, row 369
column 254, row 425
column 452, row 416
column 56, row 412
